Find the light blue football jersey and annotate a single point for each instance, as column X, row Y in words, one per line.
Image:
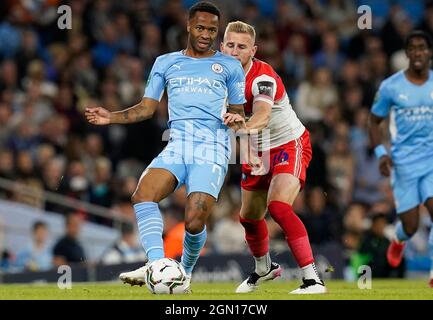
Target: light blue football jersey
column 198, row 91
column 197, row 88
column 410, row 108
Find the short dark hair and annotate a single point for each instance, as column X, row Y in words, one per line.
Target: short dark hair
column 38, row 224
column 419, row 34
column 204, row 6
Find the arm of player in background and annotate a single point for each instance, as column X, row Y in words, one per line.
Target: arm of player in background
column 374, row 132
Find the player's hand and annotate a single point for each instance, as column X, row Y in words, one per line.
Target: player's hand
column 257, row 166
column 98, row 116
column 256, row 163
column 234, row 121
column 385, row 165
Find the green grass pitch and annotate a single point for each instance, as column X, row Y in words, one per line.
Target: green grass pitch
column 277, row 290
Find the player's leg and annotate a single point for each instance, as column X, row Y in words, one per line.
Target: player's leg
column 203, row 184
column 426, row 187
column 160, row 179
column 289, row 175
column 283, row 191
column 406, row 227
column 429, row 205
column 154, row 185
column 407, row 200
column 252, row 218
column 198, row 207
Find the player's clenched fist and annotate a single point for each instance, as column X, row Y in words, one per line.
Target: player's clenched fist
column 98, row 115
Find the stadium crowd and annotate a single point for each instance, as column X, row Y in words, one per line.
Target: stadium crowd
column 330, row 67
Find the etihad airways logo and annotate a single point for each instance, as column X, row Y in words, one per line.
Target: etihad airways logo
column 195, row 81
column 195, row 85
column 421, row 113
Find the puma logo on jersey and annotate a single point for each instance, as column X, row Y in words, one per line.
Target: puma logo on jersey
column 175, row 66
column 403, row 97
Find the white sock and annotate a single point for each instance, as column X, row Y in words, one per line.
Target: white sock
column 263, row 264
column 310, row 272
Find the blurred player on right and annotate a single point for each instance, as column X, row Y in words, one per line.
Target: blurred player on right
column 407, row 98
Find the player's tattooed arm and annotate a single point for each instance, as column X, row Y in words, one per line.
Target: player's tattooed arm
column 236, row 109
column 139, row 112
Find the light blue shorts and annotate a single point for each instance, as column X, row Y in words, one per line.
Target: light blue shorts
column 410, row 192
column 201, row 168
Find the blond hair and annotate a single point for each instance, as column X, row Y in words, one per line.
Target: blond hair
column 241, row 27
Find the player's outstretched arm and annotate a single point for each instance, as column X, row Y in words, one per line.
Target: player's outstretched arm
column 374, row 131
column 139, row 112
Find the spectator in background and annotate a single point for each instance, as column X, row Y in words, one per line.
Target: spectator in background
column 340, row 165
column 321, row 220
column 315, row 96
column 68, row 249
column 101, row 191
column 37, row 256
column 24, row 138
column 123, row 206
column 5, row 255
column 44, row 154
column 355, row 218
column 174, row 231
column 7, row 169
column 330, row 55
column 296, row 61
column 76, row 184
column 229, row 235
column 126, row 249
column 426, row 23
column 6, row 127
column 367, row 178
column 372, row 250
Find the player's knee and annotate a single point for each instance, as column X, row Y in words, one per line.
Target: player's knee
column 194, row 226
column 138, row 197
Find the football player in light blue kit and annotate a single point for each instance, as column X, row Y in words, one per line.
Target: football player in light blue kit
column 407, row 98
column 200, row 82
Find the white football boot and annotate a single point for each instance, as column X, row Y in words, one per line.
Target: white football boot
column 310, row 286
column 252, row 282
column 136, row 277
column 188, row 284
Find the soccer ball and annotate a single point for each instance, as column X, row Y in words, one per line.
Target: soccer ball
column 166, row 276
